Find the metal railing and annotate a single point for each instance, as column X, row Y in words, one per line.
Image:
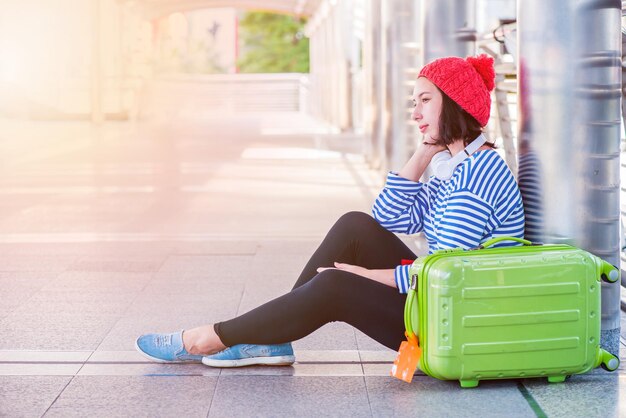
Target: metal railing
column 225, row 93
column 505, row 95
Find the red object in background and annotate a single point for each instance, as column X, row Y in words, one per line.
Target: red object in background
column 406, row 262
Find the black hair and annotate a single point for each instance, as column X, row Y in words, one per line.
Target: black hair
column 456, row 123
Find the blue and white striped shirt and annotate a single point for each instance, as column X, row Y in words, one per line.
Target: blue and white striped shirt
column 481, row 201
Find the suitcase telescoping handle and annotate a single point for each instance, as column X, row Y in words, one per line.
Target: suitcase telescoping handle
column 494, row 241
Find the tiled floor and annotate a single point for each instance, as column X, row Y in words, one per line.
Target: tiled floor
column 111, row 232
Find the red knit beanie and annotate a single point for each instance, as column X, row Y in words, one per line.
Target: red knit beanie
column 467, row 81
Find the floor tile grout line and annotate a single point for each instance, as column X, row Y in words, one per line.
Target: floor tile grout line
column 120, row 363
column 532, row 402
column 217, row 382
column 32, row 295
column 137, row 296
column 234, row 375
column 59, row 395
column 245, row 284
column 243, row 293
column 367, row 394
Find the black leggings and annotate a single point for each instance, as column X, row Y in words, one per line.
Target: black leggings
column 333, row 295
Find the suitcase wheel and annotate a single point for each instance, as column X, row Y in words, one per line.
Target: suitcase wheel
column 468, row 383
column 610, row 364
column 556, row 379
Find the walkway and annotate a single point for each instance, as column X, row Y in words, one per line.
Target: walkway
column 108, row 233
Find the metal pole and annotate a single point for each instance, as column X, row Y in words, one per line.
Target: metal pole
column 570, row 86
column 449, row 28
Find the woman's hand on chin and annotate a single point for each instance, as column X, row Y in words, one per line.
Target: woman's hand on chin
column 431, row 146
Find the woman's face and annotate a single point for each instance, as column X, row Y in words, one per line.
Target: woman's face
column 427, row 101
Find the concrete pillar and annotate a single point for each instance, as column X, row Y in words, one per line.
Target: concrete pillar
column 96, row 65
column 404, row 53
column 354, row 39
column 384, row 85
column 376, row 71
column 570, row 84
column 329, row 43
column 448, row 28
column 344, row 23
column 369, row 74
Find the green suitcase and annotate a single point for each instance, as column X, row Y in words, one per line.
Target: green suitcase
column 508, row 312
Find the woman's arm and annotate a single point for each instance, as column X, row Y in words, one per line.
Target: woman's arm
column 402, row 205
column 384, row 276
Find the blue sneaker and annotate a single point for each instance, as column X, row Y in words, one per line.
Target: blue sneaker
column 251, row 354
column 165, row 348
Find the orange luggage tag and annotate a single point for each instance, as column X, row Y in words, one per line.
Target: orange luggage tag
column 408, row 357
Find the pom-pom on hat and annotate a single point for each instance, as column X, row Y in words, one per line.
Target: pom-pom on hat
column 467, row 81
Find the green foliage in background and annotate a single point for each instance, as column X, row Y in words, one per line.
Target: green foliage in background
column 272, row 43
